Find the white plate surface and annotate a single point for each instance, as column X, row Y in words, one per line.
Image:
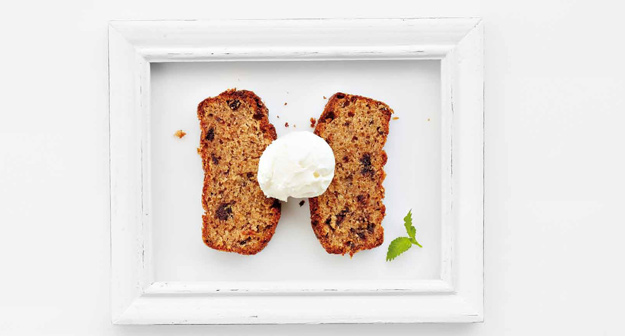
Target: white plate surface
column 411, row 88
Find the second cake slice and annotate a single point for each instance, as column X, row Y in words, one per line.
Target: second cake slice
column 347, row 218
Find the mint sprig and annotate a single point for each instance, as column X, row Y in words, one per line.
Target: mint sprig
column 397, row 247
column 403, row 244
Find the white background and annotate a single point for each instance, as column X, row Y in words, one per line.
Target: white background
column 555, row 109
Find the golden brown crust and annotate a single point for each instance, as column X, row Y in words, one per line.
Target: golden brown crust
column 235, row 131
column 347, row 218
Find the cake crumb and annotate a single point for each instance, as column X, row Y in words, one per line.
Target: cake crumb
column 395, row 118
column 180, row 134
column 313, row 122
column 284, row 104
column 324, row 97
column 278, row 116
column 286, row 124
column 294, row 125
column 428, row 119
column 301, row 203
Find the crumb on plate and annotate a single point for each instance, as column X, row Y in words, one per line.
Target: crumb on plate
column 301, row 203
column 324, row 97
column 286, row 124
column 313, row 122
column 395, row 118
column 428, row 119
column 180, row 134
column 284, row 104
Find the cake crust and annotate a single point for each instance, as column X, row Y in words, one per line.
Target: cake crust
column 235, row 130
column 347, row 218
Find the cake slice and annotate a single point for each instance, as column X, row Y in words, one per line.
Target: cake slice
column 347, row 218
column 235, row 132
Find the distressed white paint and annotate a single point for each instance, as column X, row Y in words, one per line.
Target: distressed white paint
column 456, row 297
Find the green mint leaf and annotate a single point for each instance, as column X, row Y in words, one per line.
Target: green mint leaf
column 410, row 229
column 414, row 241
column 397, row 247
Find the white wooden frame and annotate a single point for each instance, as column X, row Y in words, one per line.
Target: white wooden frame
column 456, row 297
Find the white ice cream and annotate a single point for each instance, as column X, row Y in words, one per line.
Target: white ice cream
column 299, row 164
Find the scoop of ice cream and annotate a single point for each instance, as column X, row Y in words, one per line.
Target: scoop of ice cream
column 299, row 164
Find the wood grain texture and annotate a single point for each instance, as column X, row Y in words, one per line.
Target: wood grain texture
column 457, row 297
